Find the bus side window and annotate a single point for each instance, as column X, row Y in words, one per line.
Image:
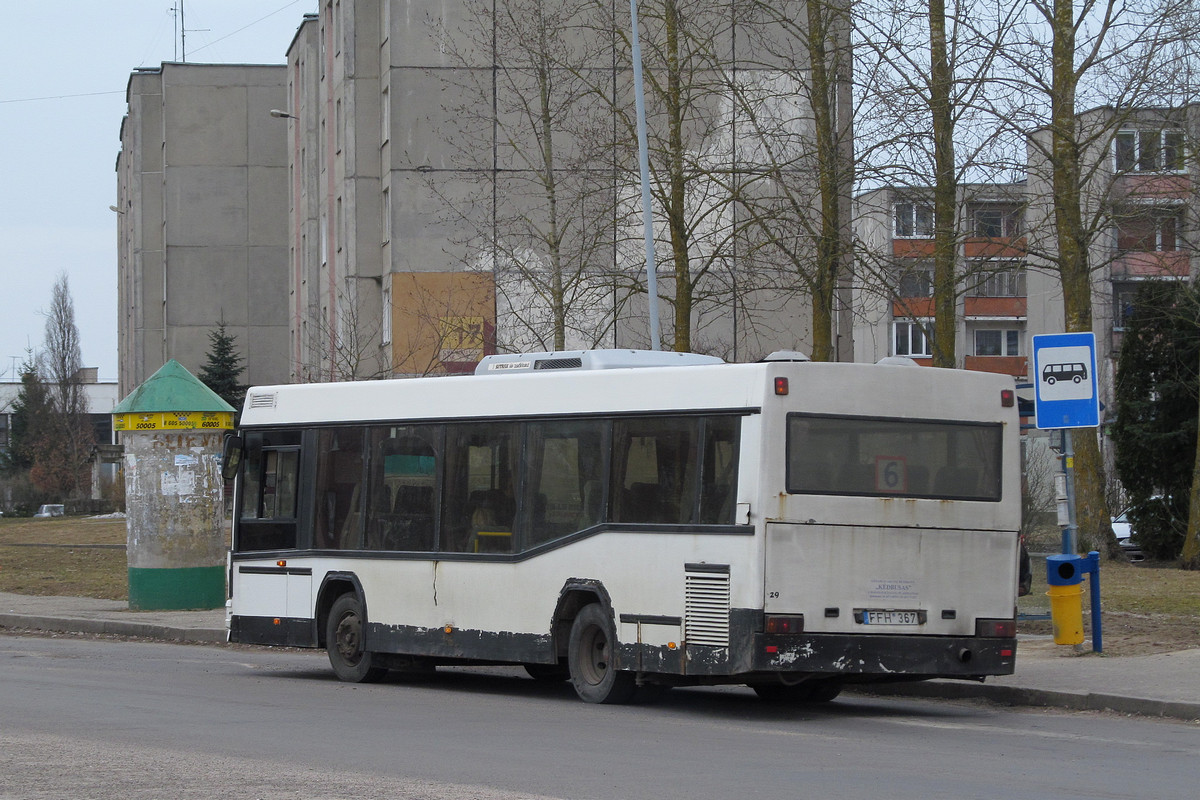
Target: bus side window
column 654, row 470
column 403, row 478
column 338, row 488
column 252, row 476
column 479, row 504
column 267, row 519
column 565, row 478
column 718, row 490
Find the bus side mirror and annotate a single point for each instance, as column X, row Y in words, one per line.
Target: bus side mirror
column 231, row 456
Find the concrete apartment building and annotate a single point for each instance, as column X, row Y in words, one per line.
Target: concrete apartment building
column 894, row 288
column 415, row 191
column 1140, row 205
column 202, row 206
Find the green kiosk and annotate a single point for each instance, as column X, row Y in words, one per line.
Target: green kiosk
column 172, row 427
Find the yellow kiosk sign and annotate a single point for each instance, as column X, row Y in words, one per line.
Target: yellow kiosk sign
column 173, row 421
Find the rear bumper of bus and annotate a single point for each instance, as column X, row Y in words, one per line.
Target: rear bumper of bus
column 884, row 655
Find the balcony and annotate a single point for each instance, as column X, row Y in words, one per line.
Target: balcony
column 1151, row 264
column 912, row 248
column 912, row 308
column 994, row 247
column 1017, row 366
column 998, row 307
column 973, row 307
column 1153, row 186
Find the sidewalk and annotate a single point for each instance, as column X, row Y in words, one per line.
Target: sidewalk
column 1166, row 684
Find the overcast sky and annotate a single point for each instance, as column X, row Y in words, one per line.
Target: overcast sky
column 64, row 67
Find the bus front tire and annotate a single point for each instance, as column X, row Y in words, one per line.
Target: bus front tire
column 591, row 659
column 344, row 643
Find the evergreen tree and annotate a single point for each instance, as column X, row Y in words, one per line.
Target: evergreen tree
column 1156, row 426
column 30, row 412
column 223, row 367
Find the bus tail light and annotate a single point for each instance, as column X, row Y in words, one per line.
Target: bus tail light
column 784, row 624
column 1007, row 398
column 781, row 386
column 996, row 628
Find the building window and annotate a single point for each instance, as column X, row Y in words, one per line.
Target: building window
column 996, row 342
column 385, row 335
column 1123, row 307
column 914, row 281
column 385, row 117
column 1149, row 151
column 1154, row 228
column 337, row 126
column 909, row 339
column 999, row 283
column 913, row 220
column 386, row 211
column 996, row 220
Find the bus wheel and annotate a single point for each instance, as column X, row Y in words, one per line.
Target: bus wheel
column 591, row 659
column 343, row 642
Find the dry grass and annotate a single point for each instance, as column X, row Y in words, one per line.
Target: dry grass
column 61, row 556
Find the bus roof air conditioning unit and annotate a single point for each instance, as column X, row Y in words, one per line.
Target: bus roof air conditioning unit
column 590, row 360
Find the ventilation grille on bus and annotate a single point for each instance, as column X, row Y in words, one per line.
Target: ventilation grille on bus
column 559, row 363
column 263, row 400
column 706, row 604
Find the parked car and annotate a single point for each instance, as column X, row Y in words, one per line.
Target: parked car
column 1123, row 529
column 50, row 510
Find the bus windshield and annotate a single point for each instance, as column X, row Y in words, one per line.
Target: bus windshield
column 873, row 457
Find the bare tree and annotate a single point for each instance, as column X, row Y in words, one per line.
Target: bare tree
column 794, row 153
column 931, row 82
column 64, row 449
column 689, row 142
column 348, row 349
column 539, row 214
column 1117, row 58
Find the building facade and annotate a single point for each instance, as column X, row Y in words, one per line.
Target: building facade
column 895, row 277
column 202, row 219
column 1140, row 210
column 438, row 212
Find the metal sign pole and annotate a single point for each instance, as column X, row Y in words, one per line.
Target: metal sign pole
column 1070, row 534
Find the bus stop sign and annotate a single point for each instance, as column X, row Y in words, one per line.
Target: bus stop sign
column 1064, row 379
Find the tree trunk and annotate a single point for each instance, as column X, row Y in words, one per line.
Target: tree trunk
column 829, row 241
column 676, row 185
column 945, row 193
column 1092, row 515
column 1189, row 558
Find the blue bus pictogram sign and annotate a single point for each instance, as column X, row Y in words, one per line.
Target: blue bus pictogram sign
column 1064, row 379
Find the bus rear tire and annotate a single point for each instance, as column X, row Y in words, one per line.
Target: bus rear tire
column 591, row 659
column 344, row 643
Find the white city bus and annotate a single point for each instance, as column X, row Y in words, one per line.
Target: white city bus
column 628, row 519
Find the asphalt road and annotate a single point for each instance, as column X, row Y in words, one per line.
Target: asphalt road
column 92, row 718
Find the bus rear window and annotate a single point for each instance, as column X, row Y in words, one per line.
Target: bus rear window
column 873, row 457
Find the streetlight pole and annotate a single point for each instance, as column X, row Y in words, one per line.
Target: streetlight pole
column 644, row 162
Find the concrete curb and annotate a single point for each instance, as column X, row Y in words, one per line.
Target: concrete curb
column 148, row 630
column 1041, row 698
